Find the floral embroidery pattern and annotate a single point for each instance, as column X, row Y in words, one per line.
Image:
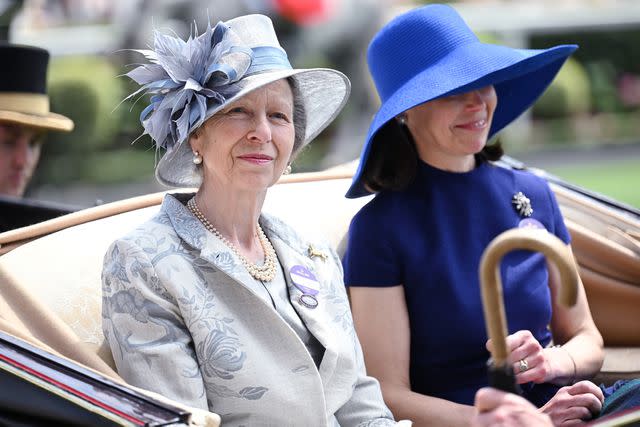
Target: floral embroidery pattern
column 215, row 342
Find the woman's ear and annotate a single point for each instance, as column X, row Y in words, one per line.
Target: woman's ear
column 194, row 141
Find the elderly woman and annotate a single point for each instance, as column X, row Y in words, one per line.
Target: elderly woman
column 414, row 250
column 211, row 302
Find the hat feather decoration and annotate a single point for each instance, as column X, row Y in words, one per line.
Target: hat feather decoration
column 185, row 77
column 190, row 81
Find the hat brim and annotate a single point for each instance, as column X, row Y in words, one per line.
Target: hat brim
column 52, row 121
column 323, row 91
column 519, row 77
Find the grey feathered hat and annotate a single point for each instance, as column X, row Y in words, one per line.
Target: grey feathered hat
column 192, row 80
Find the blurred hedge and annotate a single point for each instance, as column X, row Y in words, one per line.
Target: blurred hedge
column 104, row 91
column 606, row 56
column 569, row 93
column 88, row 90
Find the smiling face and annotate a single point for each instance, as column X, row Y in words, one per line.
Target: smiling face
column 19, row 154
column 248, row 144
column 449, row 131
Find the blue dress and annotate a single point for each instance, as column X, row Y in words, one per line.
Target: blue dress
column 429, row 238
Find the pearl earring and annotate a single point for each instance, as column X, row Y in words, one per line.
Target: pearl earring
column 402, row 120
column 287, row 170
column 197, row 158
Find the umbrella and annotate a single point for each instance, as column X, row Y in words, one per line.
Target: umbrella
column 501, row 374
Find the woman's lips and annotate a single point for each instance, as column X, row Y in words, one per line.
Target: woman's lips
column 258, row 159
column 475, row 125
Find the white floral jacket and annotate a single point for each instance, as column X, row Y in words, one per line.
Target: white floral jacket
column 179, row 324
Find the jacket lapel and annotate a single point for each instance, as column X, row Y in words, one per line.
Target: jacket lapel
column 291, row 253
column 271, row 334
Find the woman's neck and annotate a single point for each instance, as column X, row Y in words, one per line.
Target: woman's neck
column 458, row 164
column 235, row 215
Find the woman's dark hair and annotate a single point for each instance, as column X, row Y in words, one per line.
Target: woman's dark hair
column 393, row 159
column 490, row 153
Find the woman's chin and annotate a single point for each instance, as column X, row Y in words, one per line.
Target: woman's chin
column 476, row 146
column 256, row 182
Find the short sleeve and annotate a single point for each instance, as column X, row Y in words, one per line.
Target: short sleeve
column 559, row 227
column 370, row 259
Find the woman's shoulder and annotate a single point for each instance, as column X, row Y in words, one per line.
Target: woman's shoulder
column 160, row 224
column 522, row 178
column 383, row 204
column 297, row 239
column 523, row 175
column 275, row 224
column 302, row 239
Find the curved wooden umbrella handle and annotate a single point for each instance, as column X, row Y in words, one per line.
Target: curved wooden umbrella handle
column 491, row 283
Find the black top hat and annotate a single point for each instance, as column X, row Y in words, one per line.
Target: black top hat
column 23, row 88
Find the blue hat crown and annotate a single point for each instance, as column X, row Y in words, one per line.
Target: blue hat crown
column 414, row 42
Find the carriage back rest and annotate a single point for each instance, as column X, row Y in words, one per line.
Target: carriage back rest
column 606, row 244
column 63, row 269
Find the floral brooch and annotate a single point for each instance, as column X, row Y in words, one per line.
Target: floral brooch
column 522, row 204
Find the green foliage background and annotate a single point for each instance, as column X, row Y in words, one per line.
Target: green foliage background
column 89, row 90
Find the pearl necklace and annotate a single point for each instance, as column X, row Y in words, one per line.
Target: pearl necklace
column 265, row 272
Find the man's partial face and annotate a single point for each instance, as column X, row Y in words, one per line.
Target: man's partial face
column 19, row 154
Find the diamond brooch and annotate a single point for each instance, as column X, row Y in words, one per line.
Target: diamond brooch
column 522, row 204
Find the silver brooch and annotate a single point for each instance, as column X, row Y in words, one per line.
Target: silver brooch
column 522, row 204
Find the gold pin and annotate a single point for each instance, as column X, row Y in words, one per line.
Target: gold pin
column 313, row 252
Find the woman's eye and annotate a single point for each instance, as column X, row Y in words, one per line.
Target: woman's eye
column 280, row 116
column 236, row 110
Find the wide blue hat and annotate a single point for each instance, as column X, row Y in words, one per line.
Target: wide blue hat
column 430, row 52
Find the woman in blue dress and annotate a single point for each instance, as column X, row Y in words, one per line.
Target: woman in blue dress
column 413, row 251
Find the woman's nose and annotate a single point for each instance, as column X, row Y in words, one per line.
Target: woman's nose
column 474, row 99
column 261, row 131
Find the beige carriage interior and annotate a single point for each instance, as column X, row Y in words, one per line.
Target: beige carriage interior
column 50, row 272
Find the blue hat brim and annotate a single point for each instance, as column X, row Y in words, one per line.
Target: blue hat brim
column 519, row 77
